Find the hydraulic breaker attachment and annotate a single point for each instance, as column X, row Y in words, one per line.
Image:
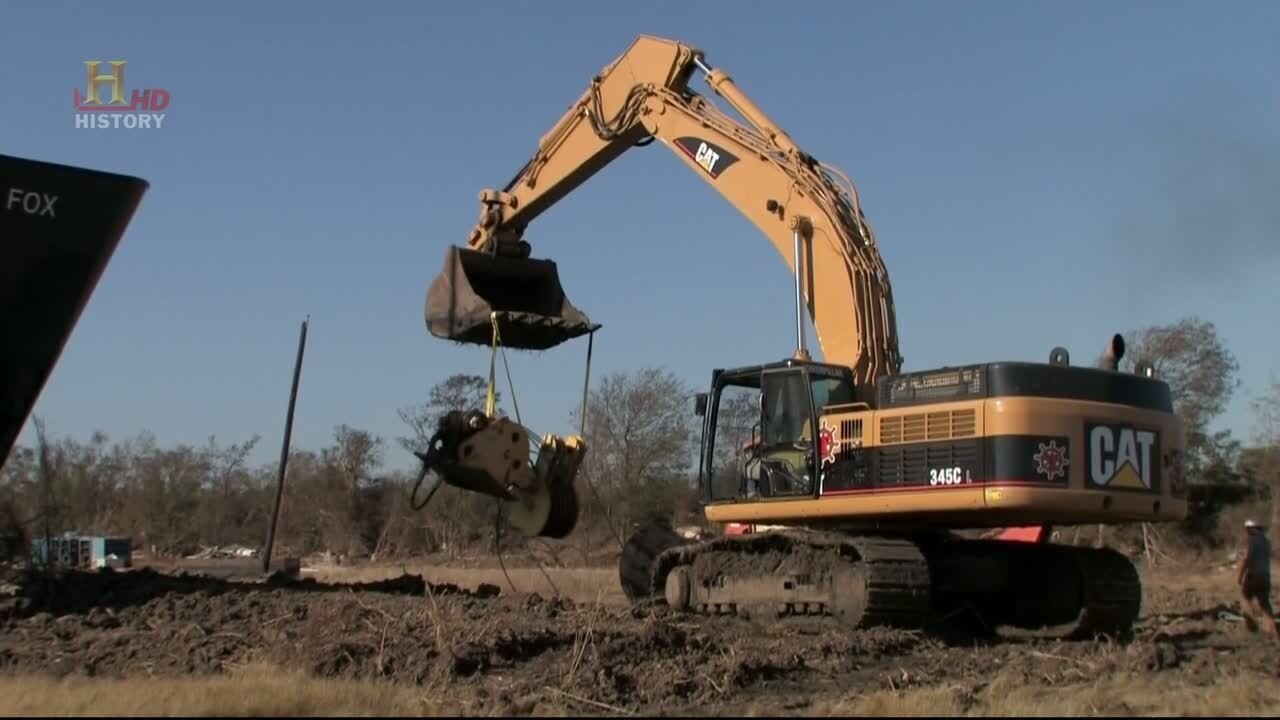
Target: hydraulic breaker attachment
column 492, row 456
column 59, row 227
column 531, row 308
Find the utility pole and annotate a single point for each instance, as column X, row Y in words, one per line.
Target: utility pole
column 284, row 450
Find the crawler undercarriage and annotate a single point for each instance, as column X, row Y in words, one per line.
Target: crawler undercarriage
column 865, row 580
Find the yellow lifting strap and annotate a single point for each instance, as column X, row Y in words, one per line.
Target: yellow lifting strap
column 491, row 398
column 491, row 395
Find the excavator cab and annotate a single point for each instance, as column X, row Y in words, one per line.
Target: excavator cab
column 522, row 296
column 761, row 434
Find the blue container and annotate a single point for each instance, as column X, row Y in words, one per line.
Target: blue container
column 81, row 552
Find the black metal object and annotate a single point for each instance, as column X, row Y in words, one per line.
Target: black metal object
column 443, row 458
column 284, row 450
column 59, row 227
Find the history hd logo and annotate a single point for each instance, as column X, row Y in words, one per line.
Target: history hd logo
column 106, row 103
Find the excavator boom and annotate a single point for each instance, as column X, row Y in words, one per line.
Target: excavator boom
column 808, row 210
column 59, row 227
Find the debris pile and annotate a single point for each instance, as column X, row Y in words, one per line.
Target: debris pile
column 224, row 552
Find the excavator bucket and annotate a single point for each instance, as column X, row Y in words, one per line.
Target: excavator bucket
column 59, row 227
column 532, row 310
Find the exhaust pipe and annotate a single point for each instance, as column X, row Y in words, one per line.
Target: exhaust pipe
column 1110, row 359
column 524, row 293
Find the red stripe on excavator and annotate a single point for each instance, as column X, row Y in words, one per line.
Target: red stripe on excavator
column 1028, row 534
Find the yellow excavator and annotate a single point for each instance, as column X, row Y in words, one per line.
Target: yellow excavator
column 845, row 487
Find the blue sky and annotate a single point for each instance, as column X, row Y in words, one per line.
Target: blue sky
column 1037, row 174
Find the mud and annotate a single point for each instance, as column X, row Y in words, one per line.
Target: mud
column 793, row 559
column 505, row 653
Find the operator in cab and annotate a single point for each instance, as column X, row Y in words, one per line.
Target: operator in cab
column 1254, row 577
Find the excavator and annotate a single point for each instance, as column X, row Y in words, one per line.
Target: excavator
column 60, row 225
column 844, row 486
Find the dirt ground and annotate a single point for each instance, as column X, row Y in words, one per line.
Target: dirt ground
column 484, row 650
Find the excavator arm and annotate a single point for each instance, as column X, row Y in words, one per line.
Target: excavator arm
column 808, row 210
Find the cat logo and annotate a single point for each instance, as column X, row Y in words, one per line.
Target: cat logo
column 708, row 156
column 1123, row 457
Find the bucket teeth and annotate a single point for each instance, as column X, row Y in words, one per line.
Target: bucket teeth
column 532, row 310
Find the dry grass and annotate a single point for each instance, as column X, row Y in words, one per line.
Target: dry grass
column 584, row 585
column 1242, row 694
column 1217, row 576
column 260, row 691
column 252, row 691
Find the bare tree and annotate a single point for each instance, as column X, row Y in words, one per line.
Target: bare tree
column 1267, row 408
column 347, row 493
column 1201, row 373
column 1264, row 461
column 229, row 477
column 640, row 444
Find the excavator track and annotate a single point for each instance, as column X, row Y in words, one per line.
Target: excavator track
column 1053, row 590
column 1113, row 592
column 1103, row 583
column 860, row 580
column 863, row 580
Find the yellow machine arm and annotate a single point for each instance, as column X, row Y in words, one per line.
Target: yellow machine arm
column 807, row 209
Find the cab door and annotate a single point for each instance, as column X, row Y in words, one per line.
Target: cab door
column 788, row 424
